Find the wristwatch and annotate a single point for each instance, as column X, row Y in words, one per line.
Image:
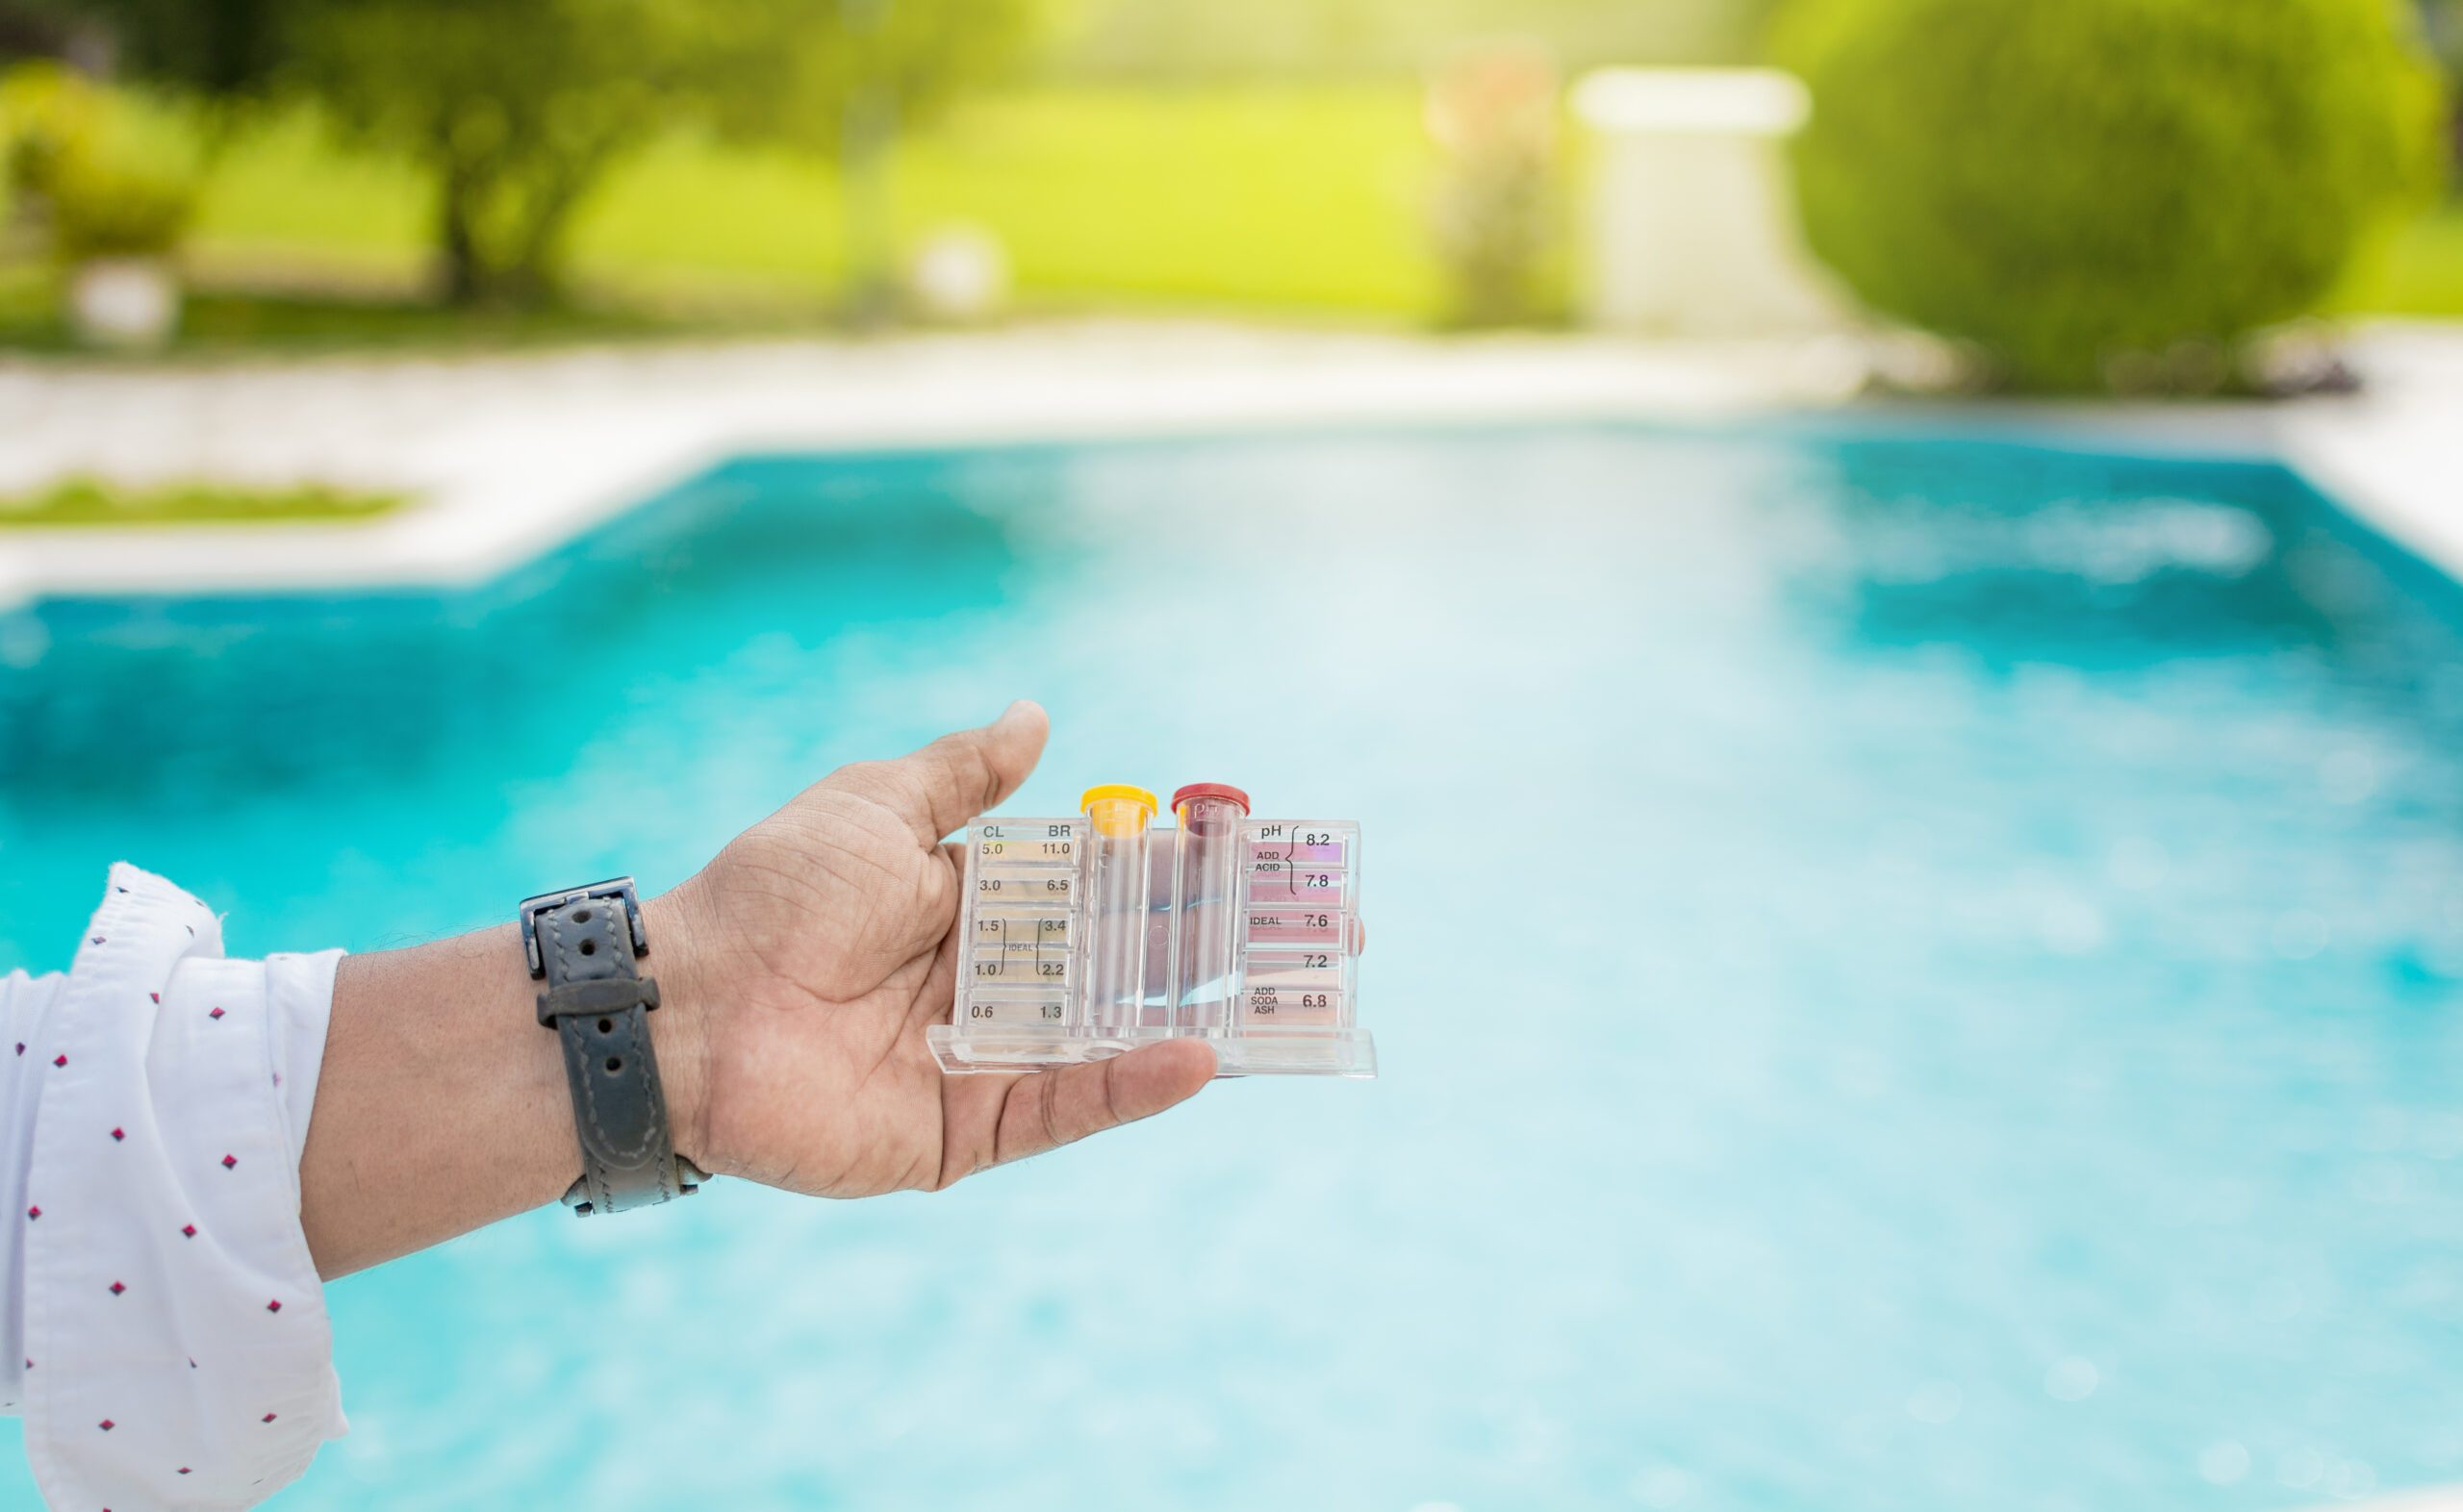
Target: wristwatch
column 582, row 942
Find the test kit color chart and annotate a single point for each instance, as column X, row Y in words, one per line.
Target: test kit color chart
column 1090, row 935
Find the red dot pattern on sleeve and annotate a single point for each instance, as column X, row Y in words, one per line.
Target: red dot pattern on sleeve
column 111, row 1036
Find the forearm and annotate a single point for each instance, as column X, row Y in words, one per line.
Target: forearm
column 443, row 1104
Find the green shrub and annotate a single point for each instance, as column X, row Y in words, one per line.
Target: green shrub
column 2104, row 190
column 104, row 190
column 101, row 209
column 47, row 112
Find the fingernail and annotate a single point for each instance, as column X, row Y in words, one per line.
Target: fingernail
column 1011, row 711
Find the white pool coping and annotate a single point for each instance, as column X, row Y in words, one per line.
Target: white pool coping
column 510, row 455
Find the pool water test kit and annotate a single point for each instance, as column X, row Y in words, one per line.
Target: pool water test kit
column 1090, row 936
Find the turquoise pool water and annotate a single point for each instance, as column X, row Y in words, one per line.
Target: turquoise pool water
column 1911, row 973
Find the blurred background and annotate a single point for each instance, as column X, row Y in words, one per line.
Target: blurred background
column 1880, row 575
column 382, row 171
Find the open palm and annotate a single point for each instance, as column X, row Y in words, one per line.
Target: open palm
column 817, row 948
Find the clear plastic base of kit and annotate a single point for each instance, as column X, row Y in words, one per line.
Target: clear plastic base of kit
column 1252, row 1053
column 1090, row 935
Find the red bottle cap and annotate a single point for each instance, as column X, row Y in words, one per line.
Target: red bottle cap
column 1210, row 790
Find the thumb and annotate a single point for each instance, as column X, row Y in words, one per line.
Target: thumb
column 939, row 789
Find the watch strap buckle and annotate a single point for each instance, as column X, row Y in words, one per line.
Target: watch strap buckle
column 619, row 888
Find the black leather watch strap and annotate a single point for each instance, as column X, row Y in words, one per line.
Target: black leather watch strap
column 582, row 942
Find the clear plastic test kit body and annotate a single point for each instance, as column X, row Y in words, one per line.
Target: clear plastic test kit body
column 1092, row 935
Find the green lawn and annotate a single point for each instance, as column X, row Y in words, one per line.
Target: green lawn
column 1301, row 198
column 2419, row 273
column 1266, row 199
column 220, row 322
column 85, row 501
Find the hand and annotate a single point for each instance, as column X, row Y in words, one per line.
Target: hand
column 810, row 956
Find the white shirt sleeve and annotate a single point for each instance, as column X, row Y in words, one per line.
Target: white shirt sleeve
column 166, row 1335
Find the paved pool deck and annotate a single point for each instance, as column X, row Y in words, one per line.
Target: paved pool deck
column 508, row 455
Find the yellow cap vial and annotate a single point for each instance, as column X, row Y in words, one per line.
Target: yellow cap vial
column 1118, row 808
column 1116, row 904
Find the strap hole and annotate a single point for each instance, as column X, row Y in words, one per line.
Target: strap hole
column 615, row 1064
column 590, row 948
column 607, row 1026
column 581, row 915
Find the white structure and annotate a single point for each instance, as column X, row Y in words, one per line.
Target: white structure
column 959, row 276
column 127, row 302
column 1690, row 213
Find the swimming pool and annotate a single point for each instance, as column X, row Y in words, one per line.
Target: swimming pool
column 1910, row 973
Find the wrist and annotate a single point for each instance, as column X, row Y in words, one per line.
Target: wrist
column 680, row 1027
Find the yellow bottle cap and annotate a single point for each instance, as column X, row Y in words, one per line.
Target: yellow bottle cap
column 1106, row 790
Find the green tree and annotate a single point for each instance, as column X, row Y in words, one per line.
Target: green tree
column 2100, row 190
column 224, row 50
column 2443, row 21
column 850, row 76
column 515, row 109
